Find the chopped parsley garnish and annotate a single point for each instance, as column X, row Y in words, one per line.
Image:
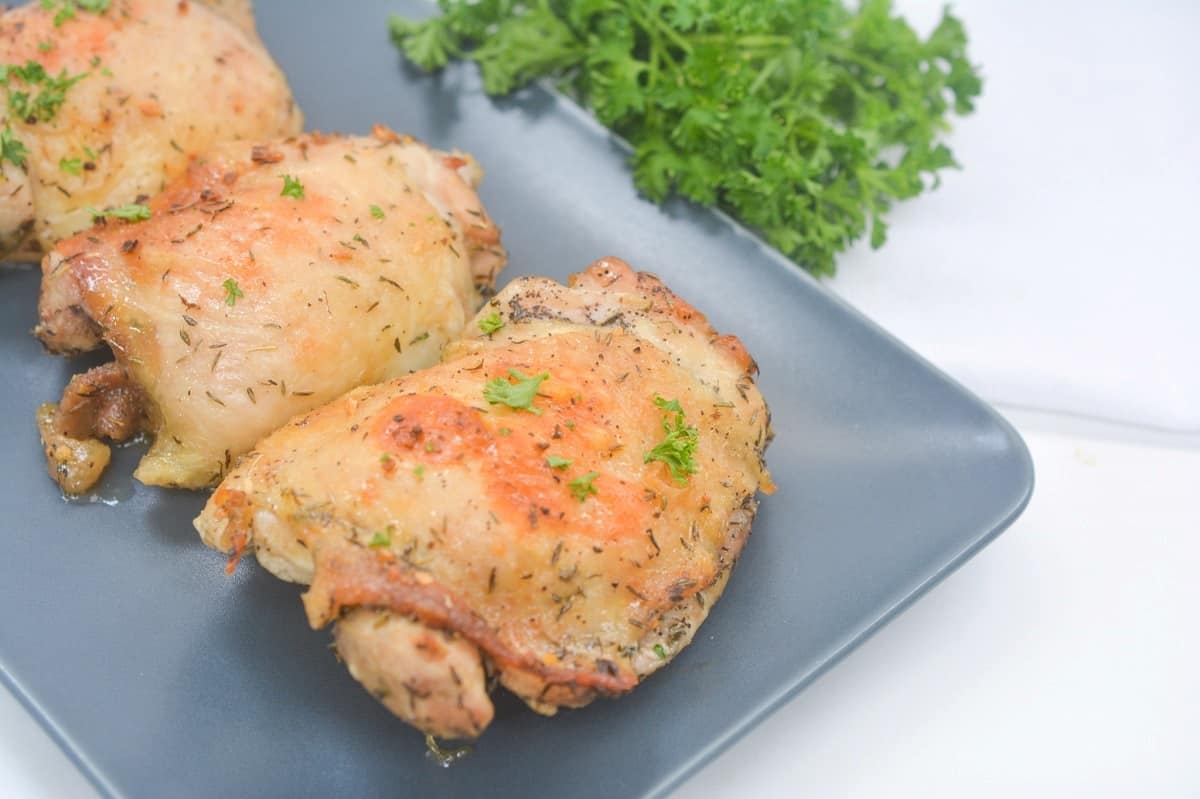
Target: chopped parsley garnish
column 671, row 405
column 292, row 188
column 491, row 323
column 72, row 166
column 555, row 462
column 45, row 45
column 504, row 431
column 232, row 292
column 518, row 395
column 385, row 458
column 678, row 448
column 129, row 213
column 419, row 471
column 381, row 539
column 658, row 650
column 376, row 212
column 581, row 487
column 11, row 149
column 40, row 107
column 66, row 8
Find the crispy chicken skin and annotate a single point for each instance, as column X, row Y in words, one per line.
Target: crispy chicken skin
column 419, row 499
column 237, row 306
column 164, row 80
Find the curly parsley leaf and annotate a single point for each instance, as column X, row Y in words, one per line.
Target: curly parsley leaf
column 292, row 187
column 678, row 448
column 232, row 292
column 518, row 395
column 491, row 323
column 40, row 106
column 806, row 119
column 581, row 487
column 11, row 149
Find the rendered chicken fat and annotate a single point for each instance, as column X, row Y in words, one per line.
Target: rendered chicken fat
column 531, row 525
column 242, row 302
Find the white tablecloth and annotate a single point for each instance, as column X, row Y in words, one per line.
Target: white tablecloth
column 1060, row 269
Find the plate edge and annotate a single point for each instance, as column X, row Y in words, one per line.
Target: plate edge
column 1014, row 508
column 64, row 742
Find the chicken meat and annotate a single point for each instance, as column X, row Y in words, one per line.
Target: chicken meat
column 104, row 106
column 269, row 280
column 558, row 503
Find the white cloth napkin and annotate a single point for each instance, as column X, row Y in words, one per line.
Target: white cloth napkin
column 1060, row 269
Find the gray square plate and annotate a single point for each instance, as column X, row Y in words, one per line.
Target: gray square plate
column 160, row 676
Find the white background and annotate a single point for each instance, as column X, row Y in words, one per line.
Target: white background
column 1058, row 271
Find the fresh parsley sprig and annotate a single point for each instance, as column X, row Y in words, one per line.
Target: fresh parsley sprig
column 804, row 118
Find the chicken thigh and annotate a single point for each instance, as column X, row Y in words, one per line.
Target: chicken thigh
column 269, row 280
column 103, row 107
column 559, row 502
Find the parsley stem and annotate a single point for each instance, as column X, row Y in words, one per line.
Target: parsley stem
column 764, row 74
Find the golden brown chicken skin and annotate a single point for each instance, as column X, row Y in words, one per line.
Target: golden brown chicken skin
column 100, row 108
column 518, row 499
column 270, row 279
